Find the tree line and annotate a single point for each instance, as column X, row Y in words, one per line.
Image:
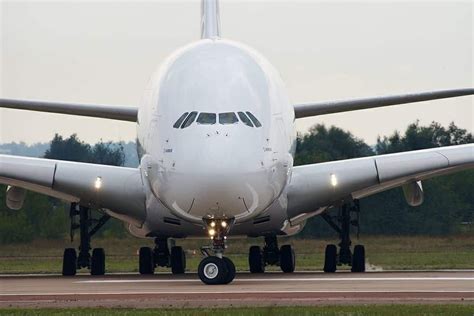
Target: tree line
column 448, row 200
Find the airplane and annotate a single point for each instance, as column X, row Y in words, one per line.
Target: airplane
column 216, row 139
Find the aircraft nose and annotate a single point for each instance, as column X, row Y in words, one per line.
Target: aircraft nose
column 220, row 179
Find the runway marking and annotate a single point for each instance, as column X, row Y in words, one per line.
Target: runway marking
column 80, row 274
column 232, row 292
column 287, row 279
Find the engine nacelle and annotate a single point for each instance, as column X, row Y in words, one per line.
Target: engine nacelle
column 15, row 198
column 413, row 192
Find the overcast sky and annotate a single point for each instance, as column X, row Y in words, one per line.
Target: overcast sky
column 105, row 52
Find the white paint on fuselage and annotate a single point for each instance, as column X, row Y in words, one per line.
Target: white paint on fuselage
column 216, row 170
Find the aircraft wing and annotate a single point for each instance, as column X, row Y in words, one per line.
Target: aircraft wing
column 317, row 186
column 321, row 108
column 122, row 113
column 118, row 189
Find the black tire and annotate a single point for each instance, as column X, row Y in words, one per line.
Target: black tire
column 230, row 270
column 330, row 259
column 69, row 262
column 98, row 262
column 212, row 270
column 146, row 264
column 256, row 264
column 358, row 259
column 287, row 259
column 178, row 260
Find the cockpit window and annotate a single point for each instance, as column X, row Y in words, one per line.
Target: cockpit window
column 180, row 120
column 228, row 118
column 254, row 119
column 245, row 119
column 206, row 118
column 189, row 120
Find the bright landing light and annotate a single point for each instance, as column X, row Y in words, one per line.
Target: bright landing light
column 333, row 180
column 98, row 183
column 212, row 232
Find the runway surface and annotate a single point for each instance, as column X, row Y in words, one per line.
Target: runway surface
column 303, row 288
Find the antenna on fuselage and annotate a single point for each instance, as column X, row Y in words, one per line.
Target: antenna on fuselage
column 210, row 22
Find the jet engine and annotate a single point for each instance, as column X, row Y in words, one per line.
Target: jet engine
column 15, row 198
column 413, row 192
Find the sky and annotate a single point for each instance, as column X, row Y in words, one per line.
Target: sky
column 105, row 52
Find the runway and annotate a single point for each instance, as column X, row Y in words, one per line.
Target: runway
column 303, row 288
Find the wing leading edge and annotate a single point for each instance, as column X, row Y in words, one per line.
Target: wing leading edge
column 330, row 107
column 121, row 113
column 321, row 185
column 117, row 189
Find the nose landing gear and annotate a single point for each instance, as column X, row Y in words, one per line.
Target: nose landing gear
column 216, row 269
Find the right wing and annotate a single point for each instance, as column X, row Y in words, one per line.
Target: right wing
column 117, row 189
column 122, row 113
column 315, row 187
column 329, row 107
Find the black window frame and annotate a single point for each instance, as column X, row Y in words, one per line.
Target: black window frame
column 205, row 123
column 189, row 119
column 179, row 121
column 245, row 119
column 255, row 121
column 228, row 113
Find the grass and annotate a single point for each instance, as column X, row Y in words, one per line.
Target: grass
column 386, row 310
column 453, row 252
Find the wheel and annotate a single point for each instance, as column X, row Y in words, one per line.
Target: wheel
column 69, row 262
column 358, row 259
column 256, row 263
column 178, row 260
column 230, row 270
column 287, row 259
column 330, row 259
column 146, row 263
column 212, row 270
column 98, row 262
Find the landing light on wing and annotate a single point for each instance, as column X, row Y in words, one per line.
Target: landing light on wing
column 98, row 183
column 333, row 180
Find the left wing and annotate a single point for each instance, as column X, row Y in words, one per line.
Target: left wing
column 117, row 189
column 317, row 186
column 329, row 107
column 122, row 113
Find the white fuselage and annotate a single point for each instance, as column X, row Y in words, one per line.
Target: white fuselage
column 211, row 169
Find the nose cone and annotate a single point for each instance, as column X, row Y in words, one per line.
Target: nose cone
column 220, row 178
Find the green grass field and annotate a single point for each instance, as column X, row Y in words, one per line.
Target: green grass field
column 453, row 252
column 386, row 310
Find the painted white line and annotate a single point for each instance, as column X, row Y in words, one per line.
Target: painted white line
column 269, row 272
column 286, row 279
column 232, row 292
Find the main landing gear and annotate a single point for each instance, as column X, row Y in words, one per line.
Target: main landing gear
column 161, row 256
column 216, row 269
column 345, row 257
column 271, row 255
column 71, row 261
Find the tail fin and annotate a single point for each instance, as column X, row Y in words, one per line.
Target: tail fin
column 210, row 23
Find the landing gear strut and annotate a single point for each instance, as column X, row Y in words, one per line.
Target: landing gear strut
column 161, row 256
column 216, row 269
column 71, row 261
column 271, row 255
column 345, row 257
